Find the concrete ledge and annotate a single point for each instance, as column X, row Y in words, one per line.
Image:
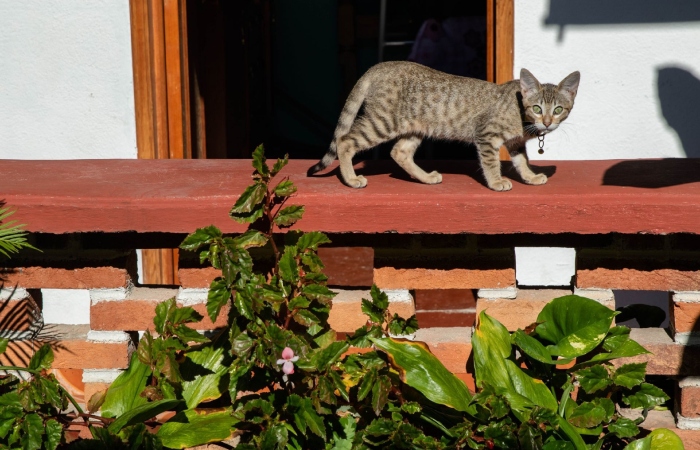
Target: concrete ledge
column 586, row 197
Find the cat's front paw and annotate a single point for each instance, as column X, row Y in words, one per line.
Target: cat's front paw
column 501, row 185
column 434, row 178
column 357, row 182
column 538, row 179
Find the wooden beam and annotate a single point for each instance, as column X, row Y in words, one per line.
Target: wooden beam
column 161, row 97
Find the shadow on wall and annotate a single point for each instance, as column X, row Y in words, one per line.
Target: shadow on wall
column 679, row 97
column 600, row 12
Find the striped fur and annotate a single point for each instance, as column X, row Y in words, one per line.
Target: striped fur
column 407, row 102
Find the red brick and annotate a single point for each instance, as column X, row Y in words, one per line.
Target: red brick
column 689, row 402
column 429, row 319
column 58, row 278
column 441, row 299
column 348, row 266
column 391, row 278
column 346, row 312
column 72, row 350
column 685, row 317
column 640, row 280
column 667, row 357
column 137, row 315
column 19, row 315
column 198, row 278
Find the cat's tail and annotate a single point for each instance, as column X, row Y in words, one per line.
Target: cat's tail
column 347, row 117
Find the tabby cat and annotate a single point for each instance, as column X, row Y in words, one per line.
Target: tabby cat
column 410, row 102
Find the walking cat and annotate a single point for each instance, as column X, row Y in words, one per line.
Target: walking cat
column 409, row 102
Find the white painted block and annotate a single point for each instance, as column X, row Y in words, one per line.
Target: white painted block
column 687, row 423
column 544, row 266
column 398, row 295
column 66, row 306
column 100, row 375
column 192, row 296
column 497, row 293
column 103, row 295
column 108, row 336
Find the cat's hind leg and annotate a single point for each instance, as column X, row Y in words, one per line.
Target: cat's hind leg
column 403, row 152
column 519, row 158
column 362, row 136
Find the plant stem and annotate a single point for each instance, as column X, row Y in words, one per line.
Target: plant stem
column 23, row 369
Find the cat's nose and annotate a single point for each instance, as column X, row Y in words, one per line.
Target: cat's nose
column 546, row 122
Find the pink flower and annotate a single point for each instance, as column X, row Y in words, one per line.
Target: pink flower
column 287, row 361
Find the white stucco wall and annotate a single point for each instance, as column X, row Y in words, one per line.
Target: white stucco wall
column 66, row 82
column 640, row 80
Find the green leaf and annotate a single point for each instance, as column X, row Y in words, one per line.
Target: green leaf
column 625, row 349
column 305, row 415
column 322, row 358
column 288, row 268
column 54, row 433
column 594, row 378
column 285, row 188
column 630, row 375
column 305, row 317
column 289, row 215
column 312, row 240
column 658, row 439
column 624, row 428
column 123, row 393
column 534, row 348
column 429, row 376
column 318, row 292
column 259, row 161
column 203, row 371
column 193, row 427
column 203, row 236
column 645, row 396
column 42, row 359
column 244, row 305
column 574, row 325
column 250, row 199
column 587, row 415
column 279, row 164
column 248, row 217
column 251, row 238
column 380, row 393
column 366, row 384
column 217, row 297
column 32, row 430
column 344, row 441
column 142, row 413
column 3, row 344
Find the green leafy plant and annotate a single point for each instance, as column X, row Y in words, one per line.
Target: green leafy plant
column 556, row 386
column 32, row 410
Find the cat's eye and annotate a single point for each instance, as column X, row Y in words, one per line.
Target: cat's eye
column 558, row 110
column 537, row 109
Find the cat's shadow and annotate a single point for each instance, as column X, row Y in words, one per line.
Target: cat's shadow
column 471, row 169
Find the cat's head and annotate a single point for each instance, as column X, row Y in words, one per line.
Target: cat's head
column 547, row 105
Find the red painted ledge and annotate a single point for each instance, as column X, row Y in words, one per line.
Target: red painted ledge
column 177, row 196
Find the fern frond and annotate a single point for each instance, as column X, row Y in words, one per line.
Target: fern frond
column 13, row 238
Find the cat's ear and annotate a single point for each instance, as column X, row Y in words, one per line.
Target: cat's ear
column 569, row 85
column 528, row 83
